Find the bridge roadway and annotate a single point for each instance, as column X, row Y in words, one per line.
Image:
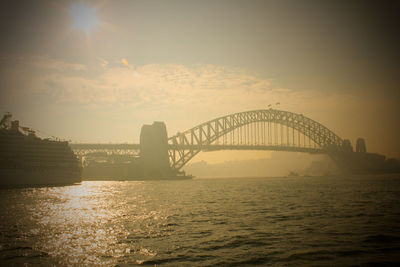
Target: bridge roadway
column 214, row 147
column 94, row 146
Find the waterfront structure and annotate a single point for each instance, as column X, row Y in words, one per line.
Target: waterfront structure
column 28, row 159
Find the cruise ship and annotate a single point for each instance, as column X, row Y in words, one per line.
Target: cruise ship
column 26, row 159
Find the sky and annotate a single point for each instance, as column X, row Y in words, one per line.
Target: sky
column 96, row 71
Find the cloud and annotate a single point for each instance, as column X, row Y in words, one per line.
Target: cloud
column 221, row 89
column 203, row 86
column 48, row 63
column 103, row 63
column 159, row 84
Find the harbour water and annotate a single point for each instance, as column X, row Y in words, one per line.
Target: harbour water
column 335, row 221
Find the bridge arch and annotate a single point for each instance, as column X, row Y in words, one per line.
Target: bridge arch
column 266, row 129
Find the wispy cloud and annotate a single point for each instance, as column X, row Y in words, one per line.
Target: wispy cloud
column 48, row 63
column 103, row 63
column 157, row 84
column 203, row 86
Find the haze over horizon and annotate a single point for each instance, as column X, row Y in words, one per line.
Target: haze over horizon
column 96, row 71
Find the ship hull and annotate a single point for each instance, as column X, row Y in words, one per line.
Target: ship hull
column 39, row 177
column 30, row 160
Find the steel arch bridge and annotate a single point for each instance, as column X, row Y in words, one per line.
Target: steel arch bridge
column 268, row 129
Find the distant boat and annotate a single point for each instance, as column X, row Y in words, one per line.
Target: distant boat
column 26, row 159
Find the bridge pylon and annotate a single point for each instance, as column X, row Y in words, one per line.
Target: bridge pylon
column 153, row 159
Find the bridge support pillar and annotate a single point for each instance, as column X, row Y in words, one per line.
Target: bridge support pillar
column 154, row 160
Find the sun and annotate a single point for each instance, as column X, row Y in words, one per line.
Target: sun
column 84, row 17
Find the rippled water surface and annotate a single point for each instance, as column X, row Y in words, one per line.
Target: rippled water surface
column 200, row 222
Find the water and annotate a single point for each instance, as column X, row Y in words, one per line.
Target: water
column 204, row 222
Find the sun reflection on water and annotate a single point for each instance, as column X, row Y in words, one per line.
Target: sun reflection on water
column 80, row 224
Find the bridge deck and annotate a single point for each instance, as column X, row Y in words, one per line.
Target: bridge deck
column 203, row 147
column 94, row 146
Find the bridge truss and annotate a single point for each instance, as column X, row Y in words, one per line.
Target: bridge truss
column 268, row 129
column 120, row 149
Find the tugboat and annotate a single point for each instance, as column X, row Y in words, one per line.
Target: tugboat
column 26, row 159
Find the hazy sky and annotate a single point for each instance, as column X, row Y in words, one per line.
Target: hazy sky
column 95, row 71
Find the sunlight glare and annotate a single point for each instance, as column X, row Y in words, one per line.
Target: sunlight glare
column 84, row 17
